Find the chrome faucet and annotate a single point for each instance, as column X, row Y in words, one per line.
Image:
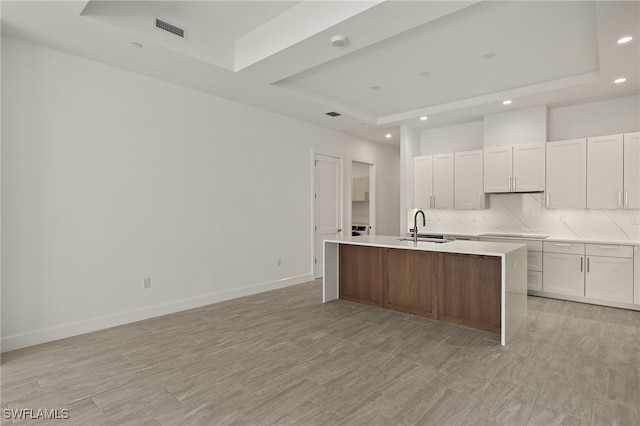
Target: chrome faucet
column 415, row 225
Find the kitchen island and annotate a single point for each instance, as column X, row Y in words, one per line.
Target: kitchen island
column 476, row 284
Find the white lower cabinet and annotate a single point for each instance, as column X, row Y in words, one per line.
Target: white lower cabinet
column 563, row 274
column 592, row 271
column 609, row 278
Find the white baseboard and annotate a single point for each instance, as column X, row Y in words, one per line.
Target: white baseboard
column 62, row 331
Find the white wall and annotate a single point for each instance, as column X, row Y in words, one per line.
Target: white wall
column 620, row 115
column 409, row 148
column 516, row 127
column 462, row 137
column 109, row 177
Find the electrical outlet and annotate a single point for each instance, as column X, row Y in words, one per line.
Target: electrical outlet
column 473, row 218
column 278, row 262
column 635, row 220
column 146, row 283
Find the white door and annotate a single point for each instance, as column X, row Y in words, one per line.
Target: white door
column 567, row 174
column 563, row 274
column 468, row 176
column 528, row 167
column 604, row 172
column 327, row 205
column 422, row 181
column 443, row 181
column 632, row 170
column 609, row 278
column 497, row 169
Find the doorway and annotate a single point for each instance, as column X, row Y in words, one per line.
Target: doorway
column 363, row 198
column 327, row 205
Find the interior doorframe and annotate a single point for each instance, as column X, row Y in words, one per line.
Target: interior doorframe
column 315, row 152
column 372, row 193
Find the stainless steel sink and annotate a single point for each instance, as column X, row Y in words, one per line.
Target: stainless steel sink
column 426, row 240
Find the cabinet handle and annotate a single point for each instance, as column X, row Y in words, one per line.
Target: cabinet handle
column 479, row 200
column 587, row 264
column 619, row 199
column 581, row 263
column 509, row 183
column 626, row 198
column 562, row 244
column 514, row 183
column 434, row 201
column 609, row 247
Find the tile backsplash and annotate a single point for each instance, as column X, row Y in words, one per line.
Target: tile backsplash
column 526, row 213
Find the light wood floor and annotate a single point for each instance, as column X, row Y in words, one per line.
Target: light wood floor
column 283, row 357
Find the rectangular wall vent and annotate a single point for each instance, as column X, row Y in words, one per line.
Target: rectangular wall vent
column 333, row 114
column 169, row 28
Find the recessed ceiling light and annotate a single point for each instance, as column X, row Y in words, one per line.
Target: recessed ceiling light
column 388, row 135
column 619, row 80
column 423, row 118
column 374, row 87
column 625, row 39
column 136, row 44
column 425, row 73
column 507, row 102
column 489, row 55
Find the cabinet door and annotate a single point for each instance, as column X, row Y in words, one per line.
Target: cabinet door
column 361, row 273
column 604, row 172
column 563, row 274
column 443, row 181
column 609, row 278
column 410, row 283
column 468, row 177
column 360, row 188
column 470, row 291
column 632, row 170
column 497, row 169
column 528, row 167
column 422, row 181
column 567, row 174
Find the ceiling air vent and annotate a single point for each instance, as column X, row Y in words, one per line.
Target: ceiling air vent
column 333, row 114
column 163, row 25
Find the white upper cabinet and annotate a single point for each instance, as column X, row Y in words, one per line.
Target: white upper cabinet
column 567, row 174
column 433, row 181
column 443, row 181
column 497, row 169
column 514, row 168
column 468, row 180
column 423, row 182
column 604, row 172
column 528, row 167
column 360, row 188
column 632, row 170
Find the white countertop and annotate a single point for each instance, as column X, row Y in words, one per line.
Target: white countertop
column 557, row 238
column 481, row 248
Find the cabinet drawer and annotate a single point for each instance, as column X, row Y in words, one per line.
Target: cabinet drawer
column 561, row 247
column 534, row 280
column 534, row 261
column 610, row 250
